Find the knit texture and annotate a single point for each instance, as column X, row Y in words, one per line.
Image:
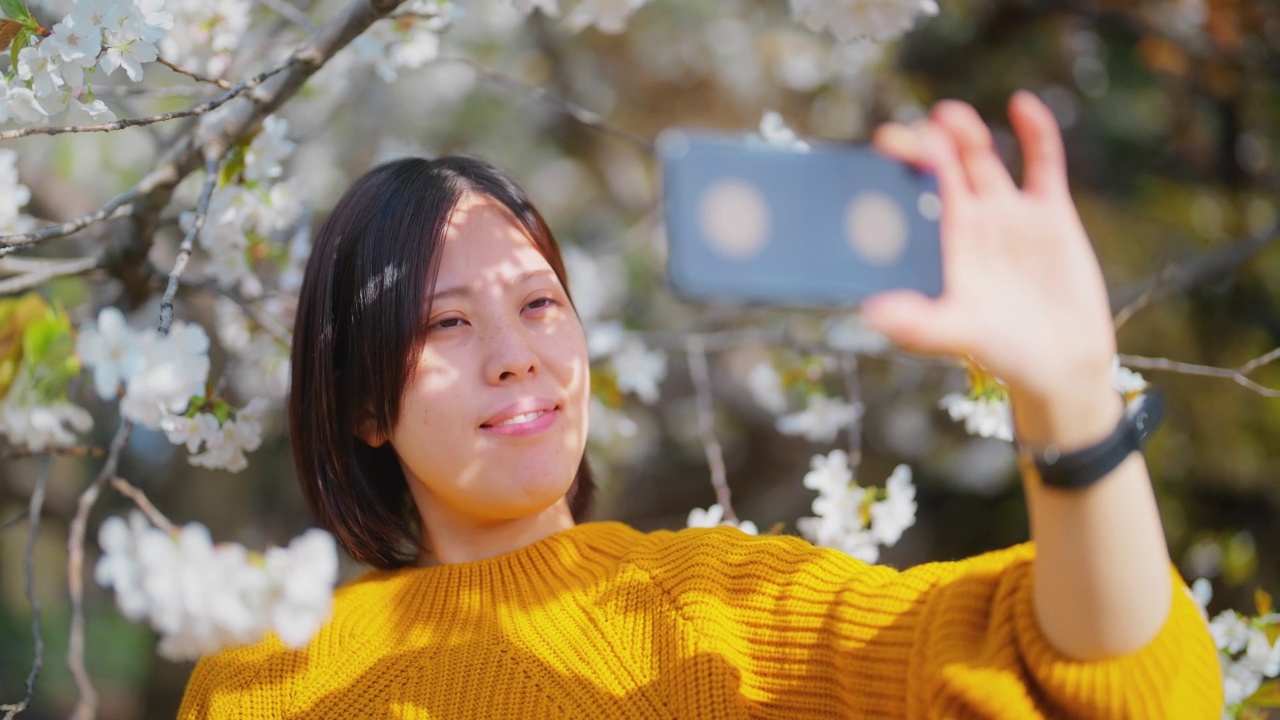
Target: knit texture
column 603, row 621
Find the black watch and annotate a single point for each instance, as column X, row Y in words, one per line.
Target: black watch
column 1081, row 468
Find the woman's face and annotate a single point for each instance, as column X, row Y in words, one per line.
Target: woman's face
column 493, row 419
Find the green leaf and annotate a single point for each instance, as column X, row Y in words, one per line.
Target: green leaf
column 15, row 10
column 48, row 348
column 232, row 167
column 20, row 42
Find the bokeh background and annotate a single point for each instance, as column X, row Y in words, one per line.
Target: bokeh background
column 1171, row 111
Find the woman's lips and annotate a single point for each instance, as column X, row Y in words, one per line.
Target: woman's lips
column 523, row 417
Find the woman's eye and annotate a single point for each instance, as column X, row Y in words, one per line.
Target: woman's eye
column 541, row 303
column 447, row 323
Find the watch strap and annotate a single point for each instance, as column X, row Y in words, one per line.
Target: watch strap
column 1081, row 468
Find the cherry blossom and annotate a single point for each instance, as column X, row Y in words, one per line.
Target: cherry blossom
column 766, row 389
column 13, row 194
column 821, row 419
column 639, row 370
column 774, row 130
column 202, row 597
column 38, row 427
column 112, row 349
column 714, row 516
column 843, row 509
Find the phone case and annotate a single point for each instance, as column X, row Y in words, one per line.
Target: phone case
column 830, row 225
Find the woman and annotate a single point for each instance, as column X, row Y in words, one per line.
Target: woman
column 439, row 413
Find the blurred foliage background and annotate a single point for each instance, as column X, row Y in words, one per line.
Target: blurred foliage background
column 1171, row 114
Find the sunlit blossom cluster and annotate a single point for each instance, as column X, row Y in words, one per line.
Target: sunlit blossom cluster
column 251, row 210
column 1248, row 654
column 157, row 374
column 54, row 72
column 855, row 519
column 822, row 417
column 637, row 368
column 985, row 410
column 202, row 597
column 38, row 426
column 849, row 20
column 224, row 441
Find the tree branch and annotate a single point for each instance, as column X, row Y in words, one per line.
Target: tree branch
column 188, row 242
column 1237, row 375
column 139, row 498
column 201, row 109
column 195, row 75
column 705, row 404
column 28, row 574
column 853, row 393
column 266, row 322
column 47, row 270
column 1190, row 273
column 87, row 704
column 118, row 206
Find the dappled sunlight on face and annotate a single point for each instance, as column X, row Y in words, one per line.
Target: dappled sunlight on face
column 493, row 419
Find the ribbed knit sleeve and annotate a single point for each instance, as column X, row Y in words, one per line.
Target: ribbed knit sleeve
column 815, row 632
column 252, row 682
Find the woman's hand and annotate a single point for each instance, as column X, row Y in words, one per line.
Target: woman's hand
column 1023, row 294
column 1024, row 297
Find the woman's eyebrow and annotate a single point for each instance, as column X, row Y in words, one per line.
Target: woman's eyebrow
column 468, row 290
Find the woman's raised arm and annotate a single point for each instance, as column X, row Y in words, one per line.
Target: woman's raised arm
column 1024, row 298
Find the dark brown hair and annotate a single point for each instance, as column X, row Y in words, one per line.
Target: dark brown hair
column 358, row 333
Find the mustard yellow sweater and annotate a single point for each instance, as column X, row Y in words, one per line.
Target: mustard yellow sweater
column 603, row 621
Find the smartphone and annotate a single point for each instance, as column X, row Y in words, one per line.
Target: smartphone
column 817, row 226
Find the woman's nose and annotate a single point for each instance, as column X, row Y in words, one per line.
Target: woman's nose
column 509, row 352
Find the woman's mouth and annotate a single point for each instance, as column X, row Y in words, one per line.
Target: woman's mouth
column 519, row 422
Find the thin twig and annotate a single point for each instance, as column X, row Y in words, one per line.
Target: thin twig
column 28, row 574
column 139, row 498
column 261, row 319
column 87, row 704
column 1233, row 374
column 853, row 392
column 705, row 403
column 51, row 270
column 1263, row 359
column 13, row 521
column 1162, row 278
column 572, row 109
column 118, row 206
column 79, row 451
column 188, row 243
column 201, row 109
column 195, row 75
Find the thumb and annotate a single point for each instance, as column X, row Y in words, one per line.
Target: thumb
column 915, row 323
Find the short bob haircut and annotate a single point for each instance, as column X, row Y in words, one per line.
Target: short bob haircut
column 360, row 324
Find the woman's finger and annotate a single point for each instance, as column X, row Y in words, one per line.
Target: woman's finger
column 1044, row 161
column 916, row 323
column 899, row 142
column 983, row 167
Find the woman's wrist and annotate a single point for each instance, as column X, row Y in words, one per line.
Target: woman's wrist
column 1074, row 415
